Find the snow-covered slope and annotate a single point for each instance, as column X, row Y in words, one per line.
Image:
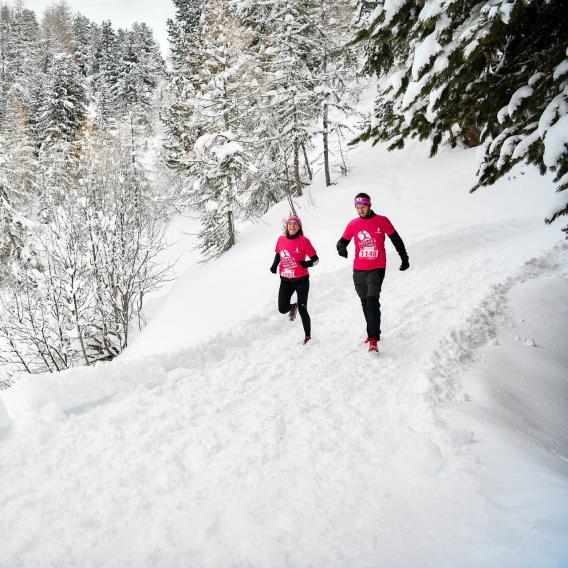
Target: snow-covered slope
column 424, row 198
column 218, row 441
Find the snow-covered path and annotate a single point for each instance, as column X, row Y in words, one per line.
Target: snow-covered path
column 256, row 451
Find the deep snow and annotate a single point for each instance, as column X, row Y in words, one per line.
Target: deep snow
column 217, row 440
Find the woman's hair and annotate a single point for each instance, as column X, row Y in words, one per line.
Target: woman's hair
column 363, row 195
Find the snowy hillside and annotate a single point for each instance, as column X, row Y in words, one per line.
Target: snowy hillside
column 217, row 440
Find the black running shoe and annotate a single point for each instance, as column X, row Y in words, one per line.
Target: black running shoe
column 293, row 311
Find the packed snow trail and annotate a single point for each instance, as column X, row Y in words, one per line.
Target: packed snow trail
column 257, row 451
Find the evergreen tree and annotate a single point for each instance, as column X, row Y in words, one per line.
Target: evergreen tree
column 285, row 47
column 141, row 69
column 18, row 53
column 106, row 70
column 18, row 171
column 25, row 45
column 9, row 242
column 210, row 135
column 335, row 74
column 85, row 36
column 63, row 115
column 220, row 174
column 489, row 71
column 6, row 75
column 182, row 30
column 56, row 34
column 136, row 97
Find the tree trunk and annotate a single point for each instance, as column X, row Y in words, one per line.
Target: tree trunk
column 288, row 188
column 470, row 136
column 326, row 144
column 297, row 180
column 231, row 226
column 306, row 159
column 79, row 330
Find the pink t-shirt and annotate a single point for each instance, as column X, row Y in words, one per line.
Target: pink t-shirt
column 291, row 251
column 369, row 241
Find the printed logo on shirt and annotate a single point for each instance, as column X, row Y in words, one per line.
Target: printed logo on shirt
column 365, row 242
column 287, row 261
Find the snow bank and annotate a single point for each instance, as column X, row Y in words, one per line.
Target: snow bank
column 516, row 404
column 78, row 388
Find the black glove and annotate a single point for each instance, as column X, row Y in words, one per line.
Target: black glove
column 404, row 264
column 342, row 251
column 275, row 263
column 307, row 263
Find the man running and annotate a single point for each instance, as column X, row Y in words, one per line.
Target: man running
column 369, row 230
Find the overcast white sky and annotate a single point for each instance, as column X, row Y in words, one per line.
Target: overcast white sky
column 122, row 13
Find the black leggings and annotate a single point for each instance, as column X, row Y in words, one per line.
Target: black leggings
column 302, row 288
column 368, row 284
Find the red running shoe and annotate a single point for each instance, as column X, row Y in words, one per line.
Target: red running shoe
column 373, row 345
column 306, row 339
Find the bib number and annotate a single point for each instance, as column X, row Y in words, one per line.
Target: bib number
column 368, row 253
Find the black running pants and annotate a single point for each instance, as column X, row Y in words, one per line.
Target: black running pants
column 302, row 288
column 368, row 284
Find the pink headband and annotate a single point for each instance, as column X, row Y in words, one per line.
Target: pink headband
column 363, row 201
column 296, row 219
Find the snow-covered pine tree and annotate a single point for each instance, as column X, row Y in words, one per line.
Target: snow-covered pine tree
column 533, row 123
column 210, row 140
column 185, row 47
column 182, row 31
column 9, row 242
column 136, row 93
column 491, row 71
column 335, row 74
column 63, row 115
column 5, row 33
column 18, row 173
column 220, row 173
column 141, row 68
column 85, row 36
column 185, row 33
column 56, row 33
column 285, row 46
column 18, row 164
column 24, row 47
column 106, row 65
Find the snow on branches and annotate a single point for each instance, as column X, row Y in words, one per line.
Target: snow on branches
column 495, row 72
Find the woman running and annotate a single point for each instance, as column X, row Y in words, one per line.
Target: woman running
column 292, row 248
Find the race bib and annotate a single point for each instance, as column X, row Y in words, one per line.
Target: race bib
column 368, row 253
